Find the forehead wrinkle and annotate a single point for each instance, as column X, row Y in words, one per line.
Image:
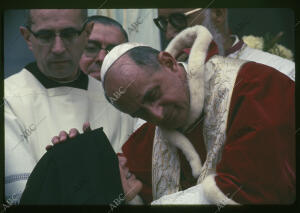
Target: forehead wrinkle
column 49, row 18
column 125, row 72
column 107, row 33
column 115, row 75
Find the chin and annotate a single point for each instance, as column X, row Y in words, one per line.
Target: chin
column 173, row 125
column 176, row 123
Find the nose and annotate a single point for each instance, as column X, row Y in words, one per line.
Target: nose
column 58, row 46
column 156, row 112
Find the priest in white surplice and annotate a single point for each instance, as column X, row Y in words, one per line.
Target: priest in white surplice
column 52, row 94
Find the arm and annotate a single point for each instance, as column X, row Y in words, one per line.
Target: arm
column 19, row 159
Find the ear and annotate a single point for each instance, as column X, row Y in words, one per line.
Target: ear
column 88, row 28
column 168, row 61
column 26, row 35
column 219, row 16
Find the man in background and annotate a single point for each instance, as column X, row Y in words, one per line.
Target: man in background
column 172, row 21
column 106, row 34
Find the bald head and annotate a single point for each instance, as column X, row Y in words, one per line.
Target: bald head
column 148, row 84
column 124, row 69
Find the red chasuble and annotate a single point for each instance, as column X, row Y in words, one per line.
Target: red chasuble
column 259, row 154
column 258, row 159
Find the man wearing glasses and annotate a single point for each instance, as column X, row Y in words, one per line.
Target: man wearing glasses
column 172, row 21
column 106, row 34
column 53, row 94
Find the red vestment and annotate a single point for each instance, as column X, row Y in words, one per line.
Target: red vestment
column 258, row 160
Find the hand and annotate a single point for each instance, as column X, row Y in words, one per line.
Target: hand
column 63, row 136
column 131, row 185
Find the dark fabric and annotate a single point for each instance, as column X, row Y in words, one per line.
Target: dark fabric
column 81, row 82
column 235, row 48
column 82, row 170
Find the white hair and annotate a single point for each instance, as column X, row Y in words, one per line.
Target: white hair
column 217, row 36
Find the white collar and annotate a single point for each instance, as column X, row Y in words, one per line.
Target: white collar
column 236, row 39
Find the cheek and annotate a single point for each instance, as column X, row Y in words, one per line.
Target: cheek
column 40, row 53
column 76, row 50
column 177, row 90
column 85, row 63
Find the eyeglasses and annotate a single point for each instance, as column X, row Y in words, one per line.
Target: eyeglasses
column 177, row 20
column 93, row 48
column 47, row 37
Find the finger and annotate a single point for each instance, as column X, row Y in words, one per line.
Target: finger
column 123, row 178
column 129, row 174
column 55, row 140
column 73, row 133
column 86, row 127
column 122, row 160
column 62, row 136
column 48, row 147
column 133, row 190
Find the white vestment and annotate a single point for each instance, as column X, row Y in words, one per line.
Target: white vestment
column 220, row 81
column 283, row 65
column 34, row 114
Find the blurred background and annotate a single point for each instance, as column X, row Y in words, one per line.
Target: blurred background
column 140, row 28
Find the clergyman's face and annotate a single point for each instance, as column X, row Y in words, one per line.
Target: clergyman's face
column 159, row 97
column 102, row 37
column 192, row 20
column 59, row 59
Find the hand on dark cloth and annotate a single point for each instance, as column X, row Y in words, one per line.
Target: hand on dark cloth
column 130, row 184
column 82, row 170
column 63, row 135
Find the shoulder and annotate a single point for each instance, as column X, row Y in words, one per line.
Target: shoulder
column 21, row 83
column 95, row 88
column 259, row 53
column 283, row 65
column 17, row 81
column 253, row 71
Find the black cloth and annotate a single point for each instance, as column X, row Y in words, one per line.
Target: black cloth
column 81, row 82
column 82, row 170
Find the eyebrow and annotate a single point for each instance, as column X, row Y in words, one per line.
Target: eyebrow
column 50, row 30
column 100, row 44
column 94, row 42
column 148, row 93
column 134, row 114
